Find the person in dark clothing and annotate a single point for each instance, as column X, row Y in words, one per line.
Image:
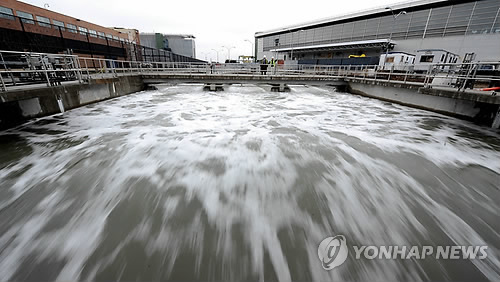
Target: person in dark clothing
column 263, row 65
column 212, row 67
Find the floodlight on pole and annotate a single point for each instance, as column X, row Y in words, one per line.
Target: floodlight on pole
column 251, row 43
column 392, row 30
column 217, row 54
column 228, row 51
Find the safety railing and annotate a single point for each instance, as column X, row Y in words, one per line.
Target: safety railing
column 18, row 68
column 22, row 68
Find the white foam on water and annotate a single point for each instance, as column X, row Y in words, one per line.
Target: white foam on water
column 251, row 158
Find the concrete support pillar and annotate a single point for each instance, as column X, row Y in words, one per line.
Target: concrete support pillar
column 213, row 87
column 280, row 88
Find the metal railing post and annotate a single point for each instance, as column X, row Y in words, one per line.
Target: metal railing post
column 101, row 69
column 86, row 68
column 77, row 68
column 427, row 76
column 4, row 88
column 46, row 72
column 12, row 78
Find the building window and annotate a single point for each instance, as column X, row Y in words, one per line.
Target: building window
column 459, row 19
column 116, row 37
column 6, row 13
column 82, row 30
column 59, row 24
column 389, row 60
column 101, row 34
column 25, row 17
column 484, row 17
column 427, row 59
column 109, row 36
column 418, row 21
column 92, row 33
column 43, row 21
column 437, row 21
column 71, row 28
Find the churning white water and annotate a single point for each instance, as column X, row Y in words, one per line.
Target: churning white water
column 244, row 184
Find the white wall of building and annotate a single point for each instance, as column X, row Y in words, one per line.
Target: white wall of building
column 486, row 46
column 182, row 45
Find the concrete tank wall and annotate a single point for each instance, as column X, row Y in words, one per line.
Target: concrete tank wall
column 19, row 106
column 478, row 109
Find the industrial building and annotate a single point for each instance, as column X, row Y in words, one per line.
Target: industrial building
column 182, row 44
column 25, row 27
column 459, row 27
column 132, row 34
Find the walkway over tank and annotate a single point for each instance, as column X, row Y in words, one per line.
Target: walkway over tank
column 165, row 77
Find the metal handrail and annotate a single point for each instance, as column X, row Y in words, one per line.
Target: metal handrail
column 85, row 68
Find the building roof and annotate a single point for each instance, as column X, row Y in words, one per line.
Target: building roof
column 399, row 52
column 180, row 35
column 439, row 50
column 342, row 45
column 367, row 12
column 126, row 29
column 187, row 36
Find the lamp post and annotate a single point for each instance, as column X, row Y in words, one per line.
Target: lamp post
column 251, row 53
column 228, row 51
column 392, row 30
column 217, row 54
column 205, row 55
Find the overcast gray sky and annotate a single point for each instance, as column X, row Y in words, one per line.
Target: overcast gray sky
column 214, row 23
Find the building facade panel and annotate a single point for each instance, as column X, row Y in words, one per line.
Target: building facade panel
column 439, row 19
column 31, row 13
